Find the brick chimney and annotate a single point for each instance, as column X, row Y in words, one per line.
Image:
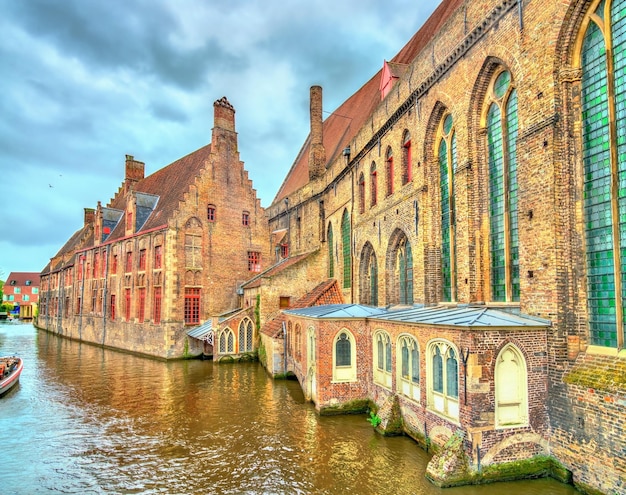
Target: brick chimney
column 134, row 172
column 317, row 153
column 224, row 137
column 224, row 115
column 90, row 216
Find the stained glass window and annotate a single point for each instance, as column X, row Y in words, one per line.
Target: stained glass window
column 502, row 147
column 447, row 165
column 347, row 250
column 605, row 236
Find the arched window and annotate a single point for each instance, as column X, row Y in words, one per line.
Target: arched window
column 511, row 388
column 298, row 350
column 407, row 166
column 245, row 335
column 368, row 276
column 290, row 338
column 346, row 250
column 311, row 346
column 361, row 193
column 373, row 184
column 503, row 229
column 399, row 270
column 331, row 253
column 443, row 385
column 344, row 357
column 604, row 160
column 226, row 341
column 409, row 367
column 382, row 359
column 389, row 170
column 447, row 166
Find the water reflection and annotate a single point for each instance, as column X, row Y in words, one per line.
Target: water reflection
column 90, row 420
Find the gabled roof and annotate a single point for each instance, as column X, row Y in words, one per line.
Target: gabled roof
column 343, row 124
column 20, row 279
column 162, row 190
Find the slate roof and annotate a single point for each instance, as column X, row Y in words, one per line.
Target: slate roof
column 343, row 124
column 445, row 316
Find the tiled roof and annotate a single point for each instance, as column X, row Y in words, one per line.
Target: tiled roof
column 344, row 123
column 170, row 184
column 20, row 279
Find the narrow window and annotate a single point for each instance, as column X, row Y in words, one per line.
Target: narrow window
column 142, row 260
column 346, row 249
column 158, row 257
column 129, row 262
column 156, row 309
column 389, row 171
column 254, row 261
column 447, row 165
column 245, row 219
column 382, row 370
column 96, row 260
column 343, row 350
column 114, row 265
column 361, row 193
column 407, row 166
column 127, row 304
column 409, row 373
column 210, row 213
column 193, row 251
column 192, row 305
column 373, row 184
column 142, row 304
column 502, row 147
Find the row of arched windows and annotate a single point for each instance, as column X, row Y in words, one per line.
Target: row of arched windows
column 441, row 376
column 227, row 343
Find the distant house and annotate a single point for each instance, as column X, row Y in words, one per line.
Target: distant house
column 22, row 290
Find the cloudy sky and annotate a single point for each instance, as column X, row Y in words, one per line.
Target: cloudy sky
column 85, row 82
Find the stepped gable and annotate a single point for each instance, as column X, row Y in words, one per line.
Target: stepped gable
column 170, row 184
column 327, row 292
column 343, row 124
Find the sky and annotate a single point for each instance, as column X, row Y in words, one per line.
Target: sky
column 86, row 82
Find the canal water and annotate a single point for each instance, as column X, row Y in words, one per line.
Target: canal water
column 86, row 420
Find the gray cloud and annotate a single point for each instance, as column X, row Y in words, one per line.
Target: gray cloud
column 86, row 82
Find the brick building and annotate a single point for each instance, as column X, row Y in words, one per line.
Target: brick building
column 21, row 290
column 477, row 175
column 149, row 267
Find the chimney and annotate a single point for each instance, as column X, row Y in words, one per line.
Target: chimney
column 224, row 115
column 90, row 216
column 134, row 169
column 317, row 153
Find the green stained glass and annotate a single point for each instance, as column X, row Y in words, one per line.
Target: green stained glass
column 511, row 127
column 346, row 250
column 618, row 42
column 496, row 206
column 374, row 281
column 597, row 197
column 445, row 222
column 447, row 125
column 502, row 84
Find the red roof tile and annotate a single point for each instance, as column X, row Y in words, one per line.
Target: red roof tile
column 344, row 123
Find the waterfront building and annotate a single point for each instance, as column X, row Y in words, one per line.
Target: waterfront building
column 149, row 267
column 21, row 290
column 446, row 249
column 467, row 199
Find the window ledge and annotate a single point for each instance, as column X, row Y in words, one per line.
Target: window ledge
column 606, row 351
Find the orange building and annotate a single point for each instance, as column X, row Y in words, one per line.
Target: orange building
column 21, row 290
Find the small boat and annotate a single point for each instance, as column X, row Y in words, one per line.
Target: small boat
column 10, row 370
